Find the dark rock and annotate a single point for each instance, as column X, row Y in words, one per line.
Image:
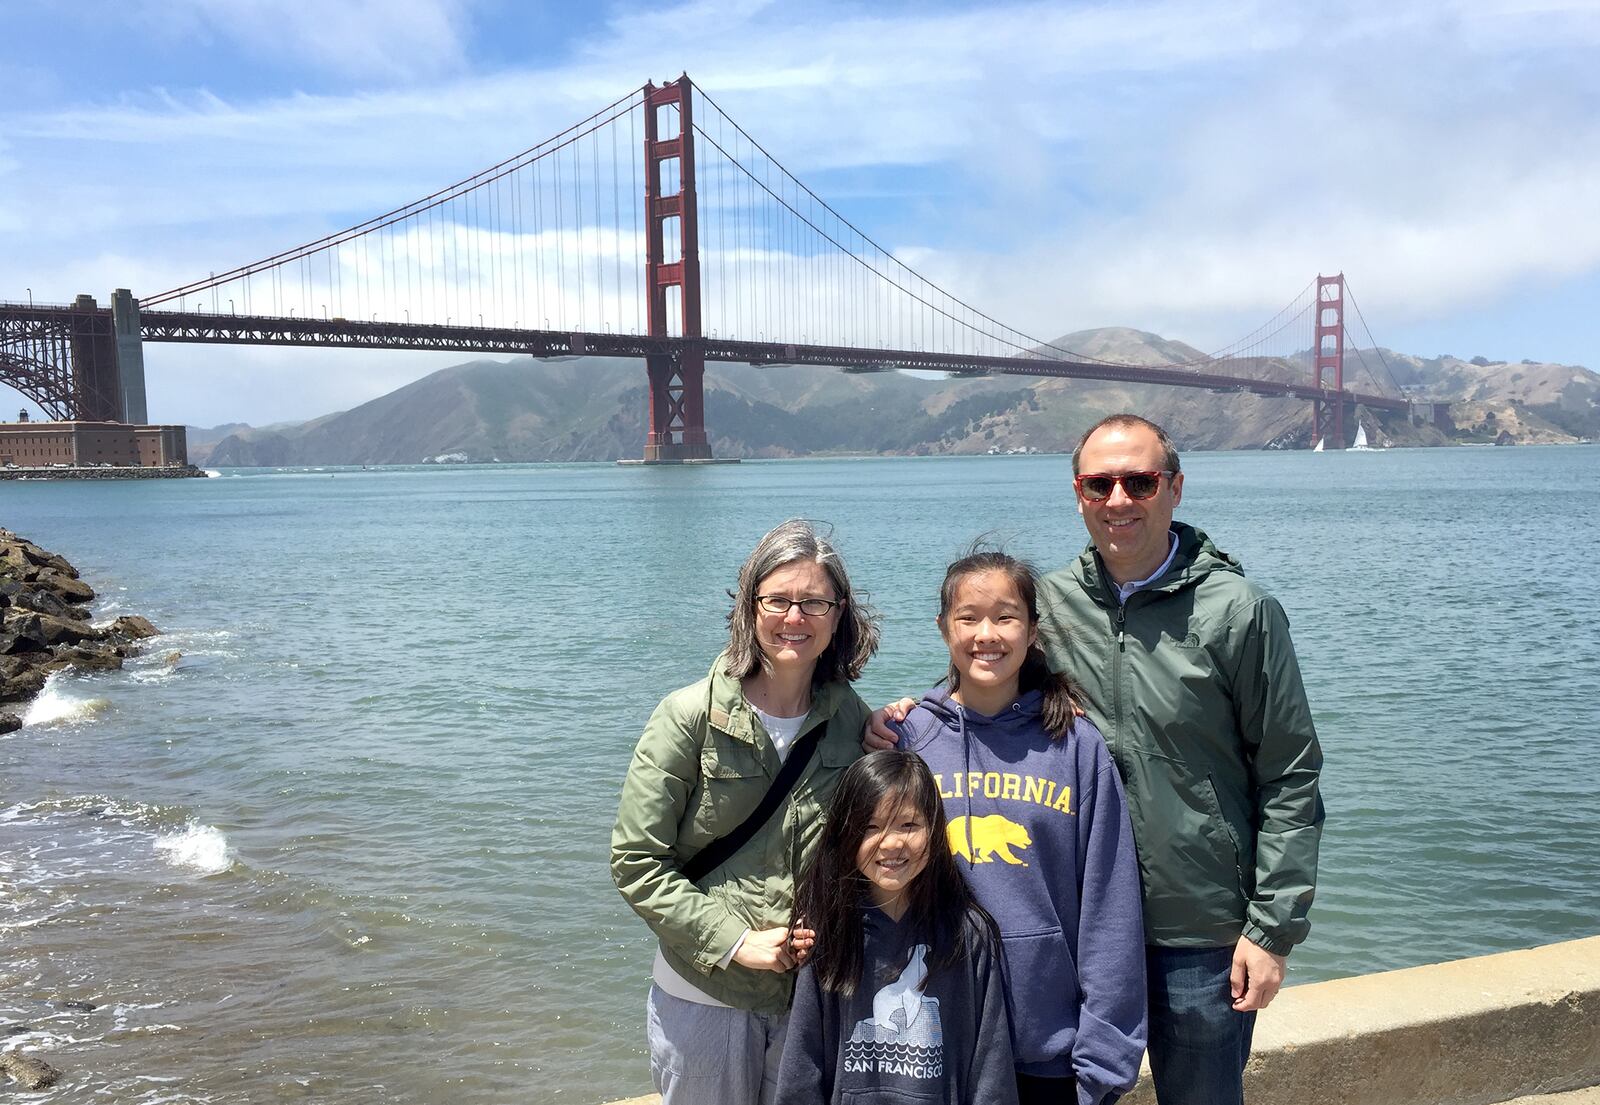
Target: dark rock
column 48, row 629
column 22, row 686
column 15, row 565
column 47, row 559
column 66, row 587
column 45, row 602
column 11, row 667
column 10, row 723
column 77, row 1006
column 84, row 658
column 11, row 644
column 31, row 1071
column 133, row 627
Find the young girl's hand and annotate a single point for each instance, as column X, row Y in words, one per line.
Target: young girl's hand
column 765, row 950
column 801, row 941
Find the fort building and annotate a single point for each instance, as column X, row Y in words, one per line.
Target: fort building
column 28, row 444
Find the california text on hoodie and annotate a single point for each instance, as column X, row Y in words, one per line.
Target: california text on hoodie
column 1043, row 829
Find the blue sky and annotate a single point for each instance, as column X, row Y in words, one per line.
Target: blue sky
column 1184, row 167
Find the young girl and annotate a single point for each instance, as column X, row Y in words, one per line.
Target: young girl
column 902, row 998
column 1038, row 819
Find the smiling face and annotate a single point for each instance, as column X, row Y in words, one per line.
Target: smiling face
column 893, row 852
column 1130, row 534
column 795, row 639
column 988, row 633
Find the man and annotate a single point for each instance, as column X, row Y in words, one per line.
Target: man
column 1188, row 670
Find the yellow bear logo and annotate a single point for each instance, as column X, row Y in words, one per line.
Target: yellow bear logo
column 981, row 839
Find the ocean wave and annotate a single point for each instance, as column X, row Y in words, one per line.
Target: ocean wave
column 61, row 702
column 131, row 813
column 202, row 848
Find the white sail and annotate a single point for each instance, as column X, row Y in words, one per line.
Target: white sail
column 1361, row 445
column 1317, row 448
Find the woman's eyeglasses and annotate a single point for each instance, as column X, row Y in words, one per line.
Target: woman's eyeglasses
column 811, row 608
column 1097, row 488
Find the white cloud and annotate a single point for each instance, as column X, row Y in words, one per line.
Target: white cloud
column 385, row 39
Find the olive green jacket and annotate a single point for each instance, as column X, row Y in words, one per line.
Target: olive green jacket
column 701, row 767
column 1195, row 685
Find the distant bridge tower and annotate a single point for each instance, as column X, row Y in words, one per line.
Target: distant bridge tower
column 677, row 430
column 1328, row 353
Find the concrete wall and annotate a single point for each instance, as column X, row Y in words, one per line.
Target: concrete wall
column 1469, row 1032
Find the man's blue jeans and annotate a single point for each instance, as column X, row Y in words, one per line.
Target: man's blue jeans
column 1198, row 1044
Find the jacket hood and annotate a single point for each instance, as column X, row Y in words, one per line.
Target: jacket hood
column 1020, row 718
column 1197, row 558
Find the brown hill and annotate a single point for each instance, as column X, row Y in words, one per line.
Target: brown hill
column 591, row 409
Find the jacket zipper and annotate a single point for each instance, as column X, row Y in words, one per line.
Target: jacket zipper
column 1116, row 670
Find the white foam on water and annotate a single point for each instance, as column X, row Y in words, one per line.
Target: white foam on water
column 198, row 847
column 60, row 702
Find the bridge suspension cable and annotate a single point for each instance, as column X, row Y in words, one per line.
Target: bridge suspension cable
column 547, row 239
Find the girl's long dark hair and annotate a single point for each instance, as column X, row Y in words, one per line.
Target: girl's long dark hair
column 939, row 904
column 1061, row 705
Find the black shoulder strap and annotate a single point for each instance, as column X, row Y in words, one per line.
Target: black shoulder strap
column 725, row 847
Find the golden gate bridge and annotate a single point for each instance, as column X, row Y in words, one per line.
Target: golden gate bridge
column 656, row 229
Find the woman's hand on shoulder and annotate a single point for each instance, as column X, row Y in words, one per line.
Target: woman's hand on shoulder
column 766, row 950
column 877, row 735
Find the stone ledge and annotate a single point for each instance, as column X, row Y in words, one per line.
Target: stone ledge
column 1469, row 1032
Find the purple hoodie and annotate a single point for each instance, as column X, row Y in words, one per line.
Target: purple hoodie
column 1043, row 829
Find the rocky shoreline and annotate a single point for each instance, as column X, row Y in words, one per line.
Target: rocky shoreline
column 45, row 626
column 187, row 471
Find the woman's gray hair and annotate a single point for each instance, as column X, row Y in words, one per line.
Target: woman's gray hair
column 855, row 637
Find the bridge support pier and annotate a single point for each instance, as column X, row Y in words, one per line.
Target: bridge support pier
column 677, row 430
column 130, row 356
column 96, row 383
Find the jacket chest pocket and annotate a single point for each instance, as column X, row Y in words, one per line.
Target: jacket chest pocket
column 732, row 782
column 832, row 758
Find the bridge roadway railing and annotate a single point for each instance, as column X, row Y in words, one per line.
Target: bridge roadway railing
column 200, row 326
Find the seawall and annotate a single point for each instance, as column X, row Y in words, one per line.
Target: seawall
column 1469, row 1032
column 187, row 471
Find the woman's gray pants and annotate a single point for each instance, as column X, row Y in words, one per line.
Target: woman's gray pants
column 708, row 1055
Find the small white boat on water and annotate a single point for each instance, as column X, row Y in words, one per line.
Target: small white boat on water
column 1317, row 448
column 1360, row 444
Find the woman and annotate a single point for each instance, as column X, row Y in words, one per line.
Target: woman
column 709, row 843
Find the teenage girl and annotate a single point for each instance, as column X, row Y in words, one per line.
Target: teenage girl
column 1038, row 820
column 902, row 997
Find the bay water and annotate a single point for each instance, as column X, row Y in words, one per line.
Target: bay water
column 341, row 833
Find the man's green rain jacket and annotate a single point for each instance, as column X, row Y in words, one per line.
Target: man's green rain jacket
column 701, row 767
column 1195, row 685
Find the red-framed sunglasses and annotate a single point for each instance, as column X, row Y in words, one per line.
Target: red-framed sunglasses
column 1097, row 487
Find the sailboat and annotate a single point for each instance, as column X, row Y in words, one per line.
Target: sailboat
column 1317, row 448
column 1360, row 444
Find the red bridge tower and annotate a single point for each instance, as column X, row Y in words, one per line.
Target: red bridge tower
column 1327, row 352
column 677, row 430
